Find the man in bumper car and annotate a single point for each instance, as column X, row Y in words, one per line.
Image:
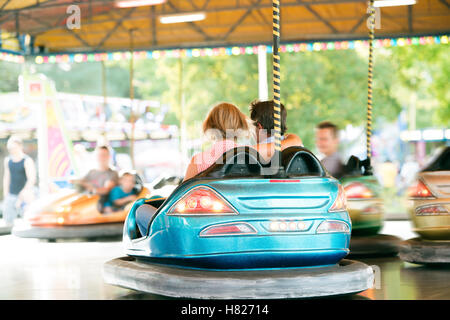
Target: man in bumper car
column 102, row 179
column 261, row 113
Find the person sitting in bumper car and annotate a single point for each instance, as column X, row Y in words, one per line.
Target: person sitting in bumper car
column 226, row 123
column 102, row 179
column 261, row 113
column 122, row 194
column 223, row 124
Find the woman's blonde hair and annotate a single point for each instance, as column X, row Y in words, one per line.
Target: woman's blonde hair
column 225, row 119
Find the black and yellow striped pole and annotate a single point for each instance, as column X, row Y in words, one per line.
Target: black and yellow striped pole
column 132, row 112
column 369, row 85
column 276, row 79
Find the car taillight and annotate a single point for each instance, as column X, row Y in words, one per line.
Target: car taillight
column 228, row 229
column 340, row 204
column 202, row 200
column 419, row 190
column 329, row 226
column 374, row 209
column 431, row 210
column 357, row 190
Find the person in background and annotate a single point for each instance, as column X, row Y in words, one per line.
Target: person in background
column 103, row 141
column 102, row 179
column 388, row 172
column 261, row 113
column 327, row 142
column 408, row 171
column 121, row 194
column 18, row 180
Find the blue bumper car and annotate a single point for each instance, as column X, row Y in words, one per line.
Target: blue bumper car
column 255, row 234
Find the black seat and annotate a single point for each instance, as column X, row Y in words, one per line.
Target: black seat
column 441, row 162
column 299, row 161
column 172, row 180
column 353, row 167
column 139, row 184
column 236, row 162
column 356, row 167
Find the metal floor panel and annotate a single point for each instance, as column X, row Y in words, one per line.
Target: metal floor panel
column 35, row 269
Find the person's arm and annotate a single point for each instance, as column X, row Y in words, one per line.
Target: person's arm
column 84, row 182
column 191, row 170
column 123, row 201
column 265, row 150
column 30, row 171
column 291, row 140
column 27, row 193
column 106, row 188
column 6, row 178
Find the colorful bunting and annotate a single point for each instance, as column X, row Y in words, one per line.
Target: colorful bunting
column 222, row 51
column 11, row 57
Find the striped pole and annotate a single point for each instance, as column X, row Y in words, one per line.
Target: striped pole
column 370, row 79
column 132, row 113
column 276, row 77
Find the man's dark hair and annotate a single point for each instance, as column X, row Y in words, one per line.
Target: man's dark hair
column 329, row 125
column 262, row 112
column 103, row 148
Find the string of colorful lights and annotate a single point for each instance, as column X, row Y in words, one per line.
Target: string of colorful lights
column 223, row 51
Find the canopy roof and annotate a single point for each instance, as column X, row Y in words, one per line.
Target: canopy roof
column 106, row 27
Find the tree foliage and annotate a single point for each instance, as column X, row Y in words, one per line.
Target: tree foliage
column 316, row 86
column 424, row 74
column 203, row 83
column 9, row 72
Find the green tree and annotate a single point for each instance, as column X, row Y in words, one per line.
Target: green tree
column 9, row 72
column 205, row 81
column 86, row 78
column 332, row 85
column 316, row 86
column 423, row 75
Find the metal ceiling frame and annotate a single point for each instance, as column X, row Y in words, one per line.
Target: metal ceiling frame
column 248, row 9
column 234, row 7
column 360, row 20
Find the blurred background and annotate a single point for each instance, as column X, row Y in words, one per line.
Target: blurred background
column 149, row 104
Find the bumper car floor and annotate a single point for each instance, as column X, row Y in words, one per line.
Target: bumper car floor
column 36, row 269
column 4, row 228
